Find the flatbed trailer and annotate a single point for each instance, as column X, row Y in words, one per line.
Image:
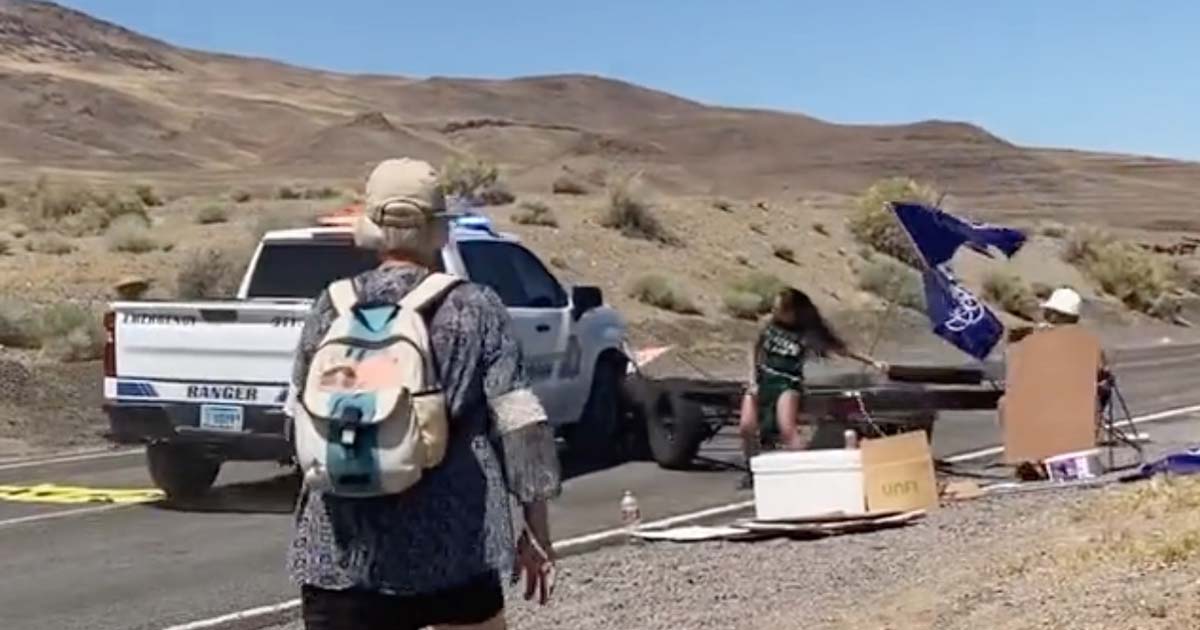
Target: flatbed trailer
column 680, row 414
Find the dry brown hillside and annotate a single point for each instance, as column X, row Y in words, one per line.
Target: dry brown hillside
column 79, row 94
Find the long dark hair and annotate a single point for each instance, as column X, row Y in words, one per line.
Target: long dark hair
column 806, row 321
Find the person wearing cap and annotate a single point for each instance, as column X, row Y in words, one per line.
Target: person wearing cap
column 1061, row 308
column 435, row 554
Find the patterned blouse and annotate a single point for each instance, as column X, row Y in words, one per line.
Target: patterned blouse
column 456, row 524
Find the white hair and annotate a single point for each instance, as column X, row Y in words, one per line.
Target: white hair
column 422, row 243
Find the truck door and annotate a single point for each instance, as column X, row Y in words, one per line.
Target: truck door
column 540, row 314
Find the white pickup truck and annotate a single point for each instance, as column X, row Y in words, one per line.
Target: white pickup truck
column 204, row 382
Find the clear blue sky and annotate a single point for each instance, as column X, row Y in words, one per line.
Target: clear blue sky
column 1120, row 75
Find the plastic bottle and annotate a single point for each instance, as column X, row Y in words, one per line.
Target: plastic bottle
column 631, row 515
column 851, row 439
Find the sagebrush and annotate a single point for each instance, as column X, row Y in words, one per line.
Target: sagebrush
column 130, row 234
column 65, row 331
column 1142, row 280
column 49, row 244
column 657, row 291
column 567, row 184
column 468, row 178
column 893, row 281
column 752, row 295
column 1010, row 293
column 212, row 273
column 631, row 214
column 535, row 213
column 873, row 224
column 211, row 215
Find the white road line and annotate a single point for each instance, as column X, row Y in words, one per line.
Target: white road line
column 996, row 450
column 563, row 546
column 37, row 518
column 241, row 615
column 66, row 459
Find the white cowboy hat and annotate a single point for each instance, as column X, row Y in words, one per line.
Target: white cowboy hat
column 1065, row 301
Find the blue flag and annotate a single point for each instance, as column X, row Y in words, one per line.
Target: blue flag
column 956, row 314
column 938, row 235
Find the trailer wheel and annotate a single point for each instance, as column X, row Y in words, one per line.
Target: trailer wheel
column 179, row 471
column 675, row 428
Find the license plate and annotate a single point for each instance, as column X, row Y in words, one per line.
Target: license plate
column 221, row 417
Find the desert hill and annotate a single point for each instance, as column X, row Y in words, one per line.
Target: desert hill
column 80, row 94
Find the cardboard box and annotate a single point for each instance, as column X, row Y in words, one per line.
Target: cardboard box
column 1050, row 394
column 898, row 473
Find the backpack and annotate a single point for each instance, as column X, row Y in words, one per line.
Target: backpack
column 372, row 417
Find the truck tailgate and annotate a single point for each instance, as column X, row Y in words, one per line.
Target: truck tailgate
column 221, row 351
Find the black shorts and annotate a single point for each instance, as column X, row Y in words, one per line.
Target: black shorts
column 477, row 601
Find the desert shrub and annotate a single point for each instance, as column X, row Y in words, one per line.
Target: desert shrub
column 630, row 213
column 820, row 228
column 657, row 291
column 743, row 305
column 1041, row 290
column 130, row 234
column 288, row 193
column 467, row 177
column 1141, row 280
column 211, row 273
column 893, row 281
column 211, row 215
column 5, row 247
column 724, row 205
column 50, row 244
column 1010, row 293
column 324, row 192
column 50, row 202
column 148, row 196
column 568, row 185
column 559, row 262
column 241, row 196
column 496, row 194
column 18, row 327
column 18, row 230
column 752, row 295
column 1054, row 230
column 535, row 213
column 785, row 253
column 70, row 332
column 874, row 224
column 3, row 200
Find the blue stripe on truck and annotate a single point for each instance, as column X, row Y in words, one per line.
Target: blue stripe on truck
column 135, row 389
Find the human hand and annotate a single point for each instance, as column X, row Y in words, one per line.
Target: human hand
column 535, row 562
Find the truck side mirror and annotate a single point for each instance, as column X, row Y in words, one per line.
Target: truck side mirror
column 584, row 299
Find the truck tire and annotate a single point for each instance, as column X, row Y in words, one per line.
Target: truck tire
column 675, row 428
column 179, row 471
column 598, row 438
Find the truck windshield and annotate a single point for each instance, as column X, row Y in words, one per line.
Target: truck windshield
column 301, row 270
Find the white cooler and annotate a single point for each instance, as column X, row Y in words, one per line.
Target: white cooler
column 803, row 484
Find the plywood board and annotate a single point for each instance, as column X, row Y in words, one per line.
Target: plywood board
column 1050, row 394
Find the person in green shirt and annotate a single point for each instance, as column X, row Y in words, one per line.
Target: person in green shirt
column 795, row 334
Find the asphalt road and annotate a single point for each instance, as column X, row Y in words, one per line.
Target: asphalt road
column 148, row 566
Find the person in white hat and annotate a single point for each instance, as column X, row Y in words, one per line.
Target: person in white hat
column 437, row 554
column 1062, row 307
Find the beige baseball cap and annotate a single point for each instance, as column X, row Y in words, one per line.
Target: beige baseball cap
column 403, row 193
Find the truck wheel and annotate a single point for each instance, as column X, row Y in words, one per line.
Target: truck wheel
column 676, row 428
column 181, row 472
column 597, row 438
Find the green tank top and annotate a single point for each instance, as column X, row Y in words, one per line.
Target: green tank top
column 781, row 352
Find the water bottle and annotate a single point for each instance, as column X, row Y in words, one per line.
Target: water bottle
column 631, row 515
column 851, row 438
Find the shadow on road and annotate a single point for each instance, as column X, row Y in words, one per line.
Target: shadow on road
column 276, row 495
